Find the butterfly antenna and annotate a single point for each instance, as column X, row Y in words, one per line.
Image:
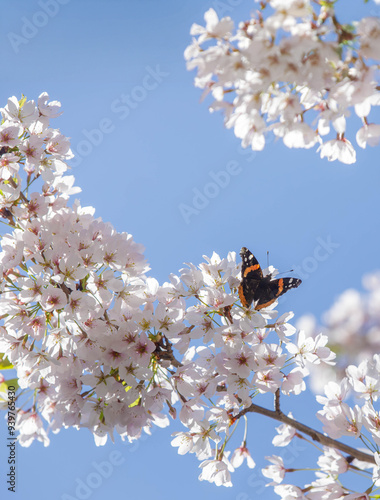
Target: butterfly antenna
column 267, row 258
column 285, row 272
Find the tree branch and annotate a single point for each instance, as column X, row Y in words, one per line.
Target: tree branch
column 277, row 401
column 315, row 435
column 164, row 351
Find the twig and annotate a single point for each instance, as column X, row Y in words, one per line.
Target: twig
column 277, row 401
column 164, row 351
column 315, row 435
column 5, row 213
column 22, row 196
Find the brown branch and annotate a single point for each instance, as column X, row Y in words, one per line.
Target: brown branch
column 22, row 196
column 277, row 401
column 315, row 435
column 5, row 213
column 164, row 352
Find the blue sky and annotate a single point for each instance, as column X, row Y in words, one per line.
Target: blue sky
column 151, row 155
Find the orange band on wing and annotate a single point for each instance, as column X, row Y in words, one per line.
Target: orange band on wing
column 241, row 296
column 250, row 269
column 261, row 306
column 278, row 293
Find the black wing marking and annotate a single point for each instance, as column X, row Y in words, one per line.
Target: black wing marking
column 251, row 275
column 255, row 287
column 268, row 291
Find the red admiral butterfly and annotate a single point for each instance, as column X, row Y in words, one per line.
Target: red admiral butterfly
column 255, row 287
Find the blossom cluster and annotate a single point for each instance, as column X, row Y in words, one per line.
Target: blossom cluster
column 352, row 325
column 291, row 69
column 245, row 354
column 28, row 145
column 68, row 284
column 100, row 344
column 341, row 417
column 103, row 346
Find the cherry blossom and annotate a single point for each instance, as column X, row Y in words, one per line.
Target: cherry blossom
column 217, row 471
column 291, row 69
column 351, row 325
column 241, row 454
column 285, row 434
column 276, row 471
column 102, row 345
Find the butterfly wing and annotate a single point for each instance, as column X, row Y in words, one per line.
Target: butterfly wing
column 251, row 275
column 268, row 291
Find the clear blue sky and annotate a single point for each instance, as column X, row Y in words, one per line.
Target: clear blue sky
column 155, row 150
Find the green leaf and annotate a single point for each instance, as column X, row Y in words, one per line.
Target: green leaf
column 22, row 101
column 12, row 381
column 349, row 28
column 5, row 364
column 4, row 386
column 135, row 403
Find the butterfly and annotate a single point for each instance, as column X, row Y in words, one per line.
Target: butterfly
column 262, row 290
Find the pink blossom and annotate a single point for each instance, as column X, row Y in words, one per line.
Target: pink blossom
column 217, row 471
column 338, row 149
column 50, row 109
column 9, row 134
column 285, row 434
column 241, row 454
column 214, row 28
column 30, row 426
column 276, row 472
column 53, row 298
column 24, row 112
column 368, row 134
